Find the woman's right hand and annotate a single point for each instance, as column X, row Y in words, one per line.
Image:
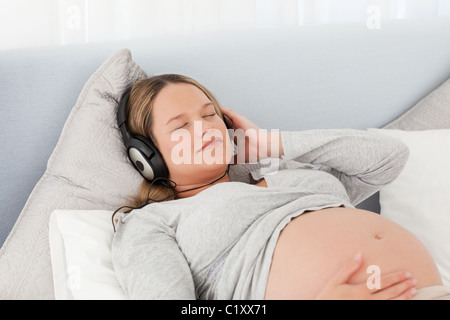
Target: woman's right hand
column 393, row 286
column 258, row 142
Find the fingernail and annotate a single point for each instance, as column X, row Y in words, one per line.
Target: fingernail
column 407, row 275
column 357, row 257
column 413, row 291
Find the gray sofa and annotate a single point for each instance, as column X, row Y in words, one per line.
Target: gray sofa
column 326, row 76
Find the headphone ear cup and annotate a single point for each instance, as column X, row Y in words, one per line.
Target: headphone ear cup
column 142, row 152
column 147, row 159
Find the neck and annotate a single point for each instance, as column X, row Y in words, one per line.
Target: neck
column 200, row 186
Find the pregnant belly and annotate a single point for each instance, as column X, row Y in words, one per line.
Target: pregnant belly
column 313, row 246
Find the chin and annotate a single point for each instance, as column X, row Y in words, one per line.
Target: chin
column 215, row 167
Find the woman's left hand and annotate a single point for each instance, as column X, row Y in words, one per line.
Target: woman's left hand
column 393, row 286
column 257, row 141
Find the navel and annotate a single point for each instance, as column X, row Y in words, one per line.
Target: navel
column 378, row 236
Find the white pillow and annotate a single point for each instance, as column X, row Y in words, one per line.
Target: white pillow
column 419, row 199
column 80, row 247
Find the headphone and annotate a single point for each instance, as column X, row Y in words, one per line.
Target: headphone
column 142, row 152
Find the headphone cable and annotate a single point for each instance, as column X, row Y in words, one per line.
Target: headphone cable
column 154, row 200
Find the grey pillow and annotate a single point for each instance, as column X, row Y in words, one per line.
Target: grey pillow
column 432, row 112
column 88, row 169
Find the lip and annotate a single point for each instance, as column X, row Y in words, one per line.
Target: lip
column 211, row 142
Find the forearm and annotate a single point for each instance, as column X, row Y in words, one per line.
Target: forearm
column 350, row 151
column 363, row 161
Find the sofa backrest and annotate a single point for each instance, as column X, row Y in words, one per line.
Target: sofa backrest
column 325, row 76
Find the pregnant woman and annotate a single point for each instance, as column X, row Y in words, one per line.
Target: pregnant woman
column 275, row 219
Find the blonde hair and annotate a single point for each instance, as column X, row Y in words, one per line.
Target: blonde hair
column 140, row 120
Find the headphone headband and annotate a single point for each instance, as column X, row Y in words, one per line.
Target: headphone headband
column 122, row 111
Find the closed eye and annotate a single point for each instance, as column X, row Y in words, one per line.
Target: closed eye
column 209, row 115
column 181, row 126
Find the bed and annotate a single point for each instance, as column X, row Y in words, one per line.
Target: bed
column 64, row 169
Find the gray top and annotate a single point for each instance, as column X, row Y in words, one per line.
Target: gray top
column 219, row 243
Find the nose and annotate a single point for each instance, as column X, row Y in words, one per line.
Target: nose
column 203, row 129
